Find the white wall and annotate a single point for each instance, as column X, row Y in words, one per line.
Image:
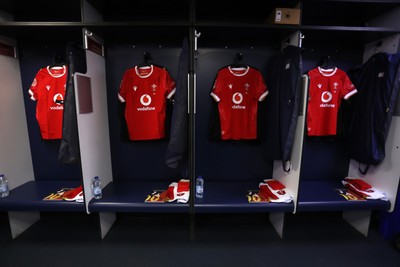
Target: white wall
column 15, row 152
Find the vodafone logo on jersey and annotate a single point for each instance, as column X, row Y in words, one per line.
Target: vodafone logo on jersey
column 326, row 97
column 237, row 99
column 58, row 99
column 145, row 100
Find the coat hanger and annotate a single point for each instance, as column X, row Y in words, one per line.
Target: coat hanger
column 377, row 45
column 146, row 58
column 238, row 63
column 326, row 62
column 58, row 60
column 285, row 44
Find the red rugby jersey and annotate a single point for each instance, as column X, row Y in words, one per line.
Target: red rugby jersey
column 237, row 91
column 145, row 91
column 48, row 89
column 326, row 89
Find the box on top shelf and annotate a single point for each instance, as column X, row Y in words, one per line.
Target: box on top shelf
column 285, row 16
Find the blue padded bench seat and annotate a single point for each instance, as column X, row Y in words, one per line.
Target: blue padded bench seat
column 231, row 196
column 322, row 196
column 122, row 196
column 29, row 197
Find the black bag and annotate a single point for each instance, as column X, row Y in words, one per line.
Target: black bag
column 377, row 82
column 283, row 104
column 69, row 152
column 177, row 150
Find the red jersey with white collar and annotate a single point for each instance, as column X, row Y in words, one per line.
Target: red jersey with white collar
column 145, row 91
column 48, row 89
column 237, row 91
column 326, row 89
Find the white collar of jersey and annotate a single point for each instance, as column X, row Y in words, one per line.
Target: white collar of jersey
column 142, row 68
column 327, row 72
column 235, row 70
column 57, row 68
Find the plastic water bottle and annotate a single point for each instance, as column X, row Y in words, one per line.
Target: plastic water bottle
column 199, row 186
column 4, row 191
column 96, row 188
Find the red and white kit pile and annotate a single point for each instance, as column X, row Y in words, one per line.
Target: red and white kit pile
column 178, row 191
column 274, row 191
column 363, row 189
column 67, row 194
column 75, row 194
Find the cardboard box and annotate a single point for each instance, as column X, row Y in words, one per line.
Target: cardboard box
column 285, row 16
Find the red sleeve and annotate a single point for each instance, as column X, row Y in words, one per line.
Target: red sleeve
column 262, row 90
column 216, row 90
column 348, row 88
column 33, row 89
column 170, row 85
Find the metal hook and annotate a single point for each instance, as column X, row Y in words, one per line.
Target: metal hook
column 196, row 35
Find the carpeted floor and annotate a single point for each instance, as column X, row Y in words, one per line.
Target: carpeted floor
column 310, row 239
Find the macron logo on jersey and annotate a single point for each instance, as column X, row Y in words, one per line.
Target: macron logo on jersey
column 145, row 100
